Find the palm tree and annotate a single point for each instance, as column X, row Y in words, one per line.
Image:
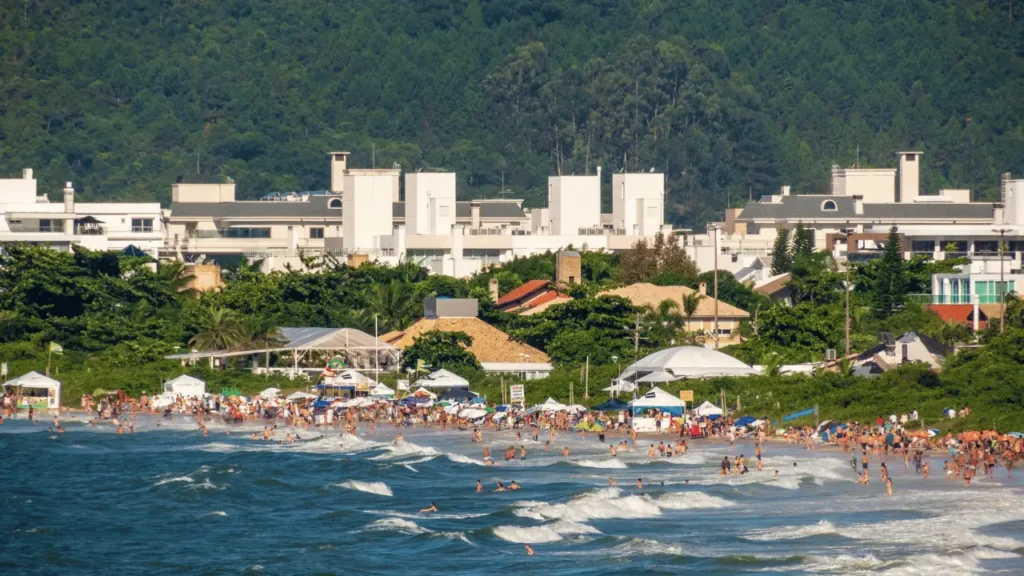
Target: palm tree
column 221, row 330
column 394, row 305
column 259, row 333
column 176, row 278
column 691, row 302
column 771, row 364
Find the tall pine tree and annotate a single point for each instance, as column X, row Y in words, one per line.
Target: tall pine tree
column 782, row 258
column 891, row 283
column 803, row 241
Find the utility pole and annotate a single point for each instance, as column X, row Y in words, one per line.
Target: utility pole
column 714, row 229
column 1002, row 283
column 846, row 235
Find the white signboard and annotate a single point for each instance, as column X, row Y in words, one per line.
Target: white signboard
column 517, row 393
column 403, row 384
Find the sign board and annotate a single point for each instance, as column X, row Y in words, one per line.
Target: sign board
column 686, row 395
column 403, row 384
column 517, row 393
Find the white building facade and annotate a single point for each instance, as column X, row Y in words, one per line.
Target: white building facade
column 26, row 216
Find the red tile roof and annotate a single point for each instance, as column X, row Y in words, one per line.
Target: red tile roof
column 959, row 313
column 523, row 291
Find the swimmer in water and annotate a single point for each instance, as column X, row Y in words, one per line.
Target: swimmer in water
column 479, row 487
column 611, row 482
column 888, row 486
column 431, row 508
column 500, row 488
column 514, row 486
column 398, row 439
column 529, row 551
column 640, row 483
column 565, row 451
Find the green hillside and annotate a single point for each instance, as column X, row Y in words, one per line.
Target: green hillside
column 729, row 98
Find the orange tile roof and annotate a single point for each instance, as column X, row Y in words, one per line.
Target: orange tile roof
column 522, row 291
column 489, row 343
column 644, row 294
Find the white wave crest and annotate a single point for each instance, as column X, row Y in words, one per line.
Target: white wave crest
column 404, row 450
column 400, row 525
column 459, row 458
column 611, row 463
column 176, row 479
column 378, row 488
column 527, row 534
column 433, row 515
column 215, row 513
column 607, row 503
column 691, row 500
column 794, row 532
column 645, row 547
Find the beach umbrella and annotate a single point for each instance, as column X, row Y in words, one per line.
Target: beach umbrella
column 445, row 404
column 490, row 410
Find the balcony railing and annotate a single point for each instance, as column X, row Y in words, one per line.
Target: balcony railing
column 953, row 298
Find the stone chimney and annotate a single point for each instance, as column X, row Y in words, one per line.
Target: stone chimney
column 492, row 285
column 339, row 163
column 703, row 288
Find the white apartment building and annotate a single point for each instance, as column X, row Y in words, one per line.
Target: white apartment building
column 854, row 218
column 363, row 213
column 26, row 216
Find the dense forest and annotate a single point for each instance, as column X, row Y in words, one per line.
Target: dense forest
column 730, row 98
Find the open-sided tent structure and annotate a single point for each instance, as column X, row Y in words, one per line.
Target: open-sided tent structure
column 36, row 391
column 269, row 393
column 381, row 390
column 186, row 386
column 443, row 379
column 658, row 399
column 685, row 362
column 299, row 396
column 312, row 346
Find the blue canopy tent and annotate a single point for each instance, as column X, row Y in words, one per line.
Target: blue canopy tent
column 322, row 404
column 478, row 400
column 416, row 400
column 745, row 421
column 612, row 405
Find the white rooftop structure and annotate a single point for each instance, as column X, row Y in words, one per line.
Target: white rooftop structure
column 657, row 398
column 186, row 386
column 36, row 381
column 687, row 362
column 442, row 379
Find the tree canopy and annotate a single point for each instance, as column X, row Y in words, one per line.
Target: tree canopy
column 728, row 98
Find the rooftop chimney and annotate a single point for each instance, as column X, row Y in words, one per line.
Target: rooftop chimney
column 474, row 214
column 339, row 163
column 703, row 288
column 858, row 204
column 785, row 190
column 492, row 285
column 909, row 176
column 69, row 198
column 26, row 174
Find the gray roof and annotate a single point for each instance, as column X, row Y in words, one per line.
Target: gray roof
column 316, row 207
column 808, row 207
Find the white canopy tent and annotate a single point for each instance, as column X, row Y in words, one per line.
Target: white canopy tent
column 269, row 393
column 660, row 400
column 37, row 391
column 657, row 377
column 707, row 409
column 422, row 392
column 381, row 390
column 299, row 396
column 442, row 379
column 186, row 386
column 552, row 405
column 687, row 362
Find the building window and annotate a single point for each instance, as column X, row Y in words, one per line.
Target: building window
column 829, row 206
column 986, row 247
column 334, row 203
column 247, row 233
column 51, row 225
column 923, row 246
column 142, row 224
column 316, row 232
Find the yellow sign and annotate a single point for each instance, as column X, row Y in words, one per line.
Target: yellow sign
column 686, row 395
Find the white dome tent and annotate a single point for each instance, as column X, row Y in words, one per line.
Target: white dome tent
column 685, row 362
column 658, row 399
column 186, row 386
column 442, row 379
column 707, row 409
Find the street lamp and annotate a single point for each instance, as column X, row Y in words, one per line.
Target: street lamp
column 1002, row 285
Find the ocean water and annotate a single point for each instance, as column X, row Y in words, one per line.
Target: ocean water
column 168, row 501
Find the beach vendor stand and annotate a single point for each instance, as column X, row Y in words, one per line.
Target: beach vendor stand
column 36, row 391
column 185, row 386
column 656, row 400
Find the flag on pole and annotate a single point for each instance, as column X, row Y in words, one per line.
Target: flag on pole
column 56, row 348
column 327, row 372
